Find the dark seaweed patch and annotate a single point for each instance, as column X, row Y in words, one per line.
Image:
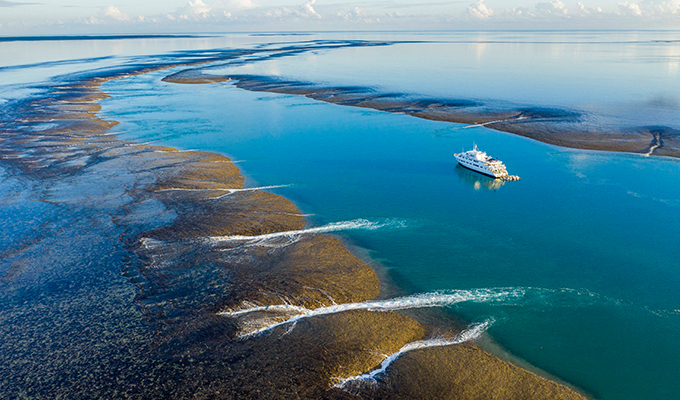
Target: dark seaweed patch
column 535, row 113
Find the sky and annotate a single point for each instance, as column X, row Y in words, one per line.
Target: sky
column 40, row 17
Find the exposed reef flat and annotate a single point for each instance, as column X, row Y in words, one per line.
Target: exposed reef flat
column 561, row 127
column 136, row 251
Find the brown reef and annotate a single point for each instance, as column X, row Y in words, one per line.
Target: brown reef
column 169, row 209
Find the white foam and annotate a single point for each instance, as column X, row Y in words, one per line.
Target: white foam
column 651, row 150
column 43, row 127
column 227, row 190
column 232, row 191
column 292, row 236
column 369, row 378
column 494, row 122
column 170, row 151
column 150, row 243
column 425, row 300
column 275, row 307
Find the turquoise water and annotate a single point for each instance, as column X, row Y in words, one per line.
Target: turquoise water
column 591, row 236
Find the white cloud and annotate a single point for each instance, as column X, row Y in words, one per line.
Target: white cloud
column 555, row 7
column 352, row 14
column 665, row 8
column 626, row 8
column 514, row 13
column 114, row 13
column 304, row 11
column 308, row 10
column 278, row 13
column 582, row 10
column 219, row 15
column 650, row 9
column 360, row 15
column 479, row 10
column 194, row 10
column 545, row 13
column 218, row 11
column 232, row 5
column 92, row 21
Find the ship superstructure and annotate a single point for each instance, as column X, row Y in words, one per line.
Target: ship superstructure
column 481, row 162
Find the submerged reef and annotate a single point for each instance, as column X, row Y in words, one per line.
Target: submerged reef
column 140, row 271
column 561, row 127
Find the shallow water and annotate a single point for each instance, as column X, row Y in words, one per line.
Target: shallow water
column 590, row 236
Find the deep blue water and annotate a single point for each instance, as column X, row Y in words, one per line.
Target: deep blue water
column 591, row 236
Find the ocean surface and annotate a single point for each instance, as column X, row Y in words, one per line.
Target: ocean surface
column 591, row 238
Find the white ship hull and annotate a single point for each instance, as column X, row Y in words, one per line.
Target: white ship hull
column 479, row 166
column 481, row 169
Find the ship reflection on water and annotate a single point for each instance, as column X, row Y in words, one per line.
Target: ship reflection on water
column 477, row 180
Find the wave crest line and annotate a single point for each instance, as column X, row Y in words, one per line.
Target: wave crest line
column 425, row 300
column 332, row 227
column 471, row 333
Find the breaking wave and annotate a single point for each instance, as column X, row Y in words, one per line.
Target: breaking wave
column 292, row 236
column 227, row 191
column 368, row 379
column 232, row 191
column 425, row 300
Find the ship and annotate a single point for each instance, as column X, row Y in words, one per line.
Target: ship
column 481, row 162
